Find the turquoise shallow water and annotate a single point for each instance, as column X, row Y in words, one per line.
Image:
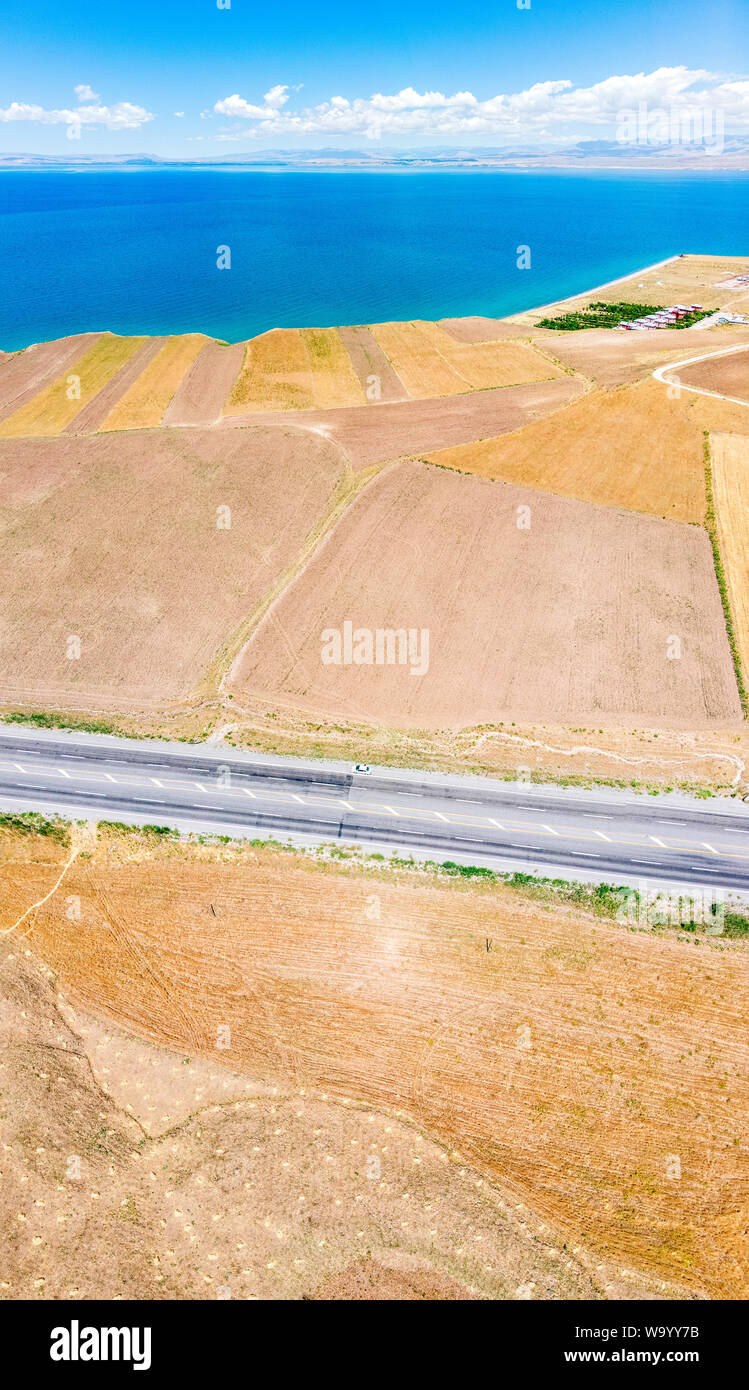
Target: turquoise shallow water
column 136, row 251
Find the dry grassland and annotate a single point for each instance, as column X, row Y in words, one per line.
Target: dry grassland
column 484, row 365
column 629, row 447
column 609, row 358
column 430, row 362
column 51, row 410
column 120, row 545
column 275, row 375
column 334, row 381
column 730, row 467
column 198, row 1182
column 143, row 405
column 421, row 367
column 570, row 614
column 568, row 1062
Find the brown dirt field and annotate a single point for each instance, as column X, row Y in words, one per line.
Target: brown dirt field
column 24, row 374
column 391, row 429
column 613, row 359
column 569, row 619
column 729, row 376
column 200, row 396
column 687, row 280
column 143, row 405
column 195, row 1179
column 275, row 375
column 127, row 554
column 93, row 415
column 562, row 1070
column 730, row 465
column 334, row 381
column 476, row 329
column 629, row 447
column 368, row 360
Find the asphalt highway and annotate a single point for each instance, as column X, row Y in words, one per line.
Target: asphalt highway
column 595, row 835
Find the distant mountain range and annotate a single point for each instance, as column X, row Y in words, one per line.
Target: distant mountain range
column 590, row 154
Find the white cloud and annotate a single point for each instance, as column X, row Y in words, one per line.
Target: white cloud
column 84, row 93
column 122, row 116
column 545, row 109
column 277, row 96
column 178, row 113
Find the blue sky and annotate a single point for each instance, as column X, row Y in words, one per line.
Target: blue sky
column 138, row 62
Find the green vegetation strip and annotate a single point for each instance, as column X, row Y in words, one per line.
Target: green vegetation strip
column 600, row 314
column 33, row 823
column 711, row 526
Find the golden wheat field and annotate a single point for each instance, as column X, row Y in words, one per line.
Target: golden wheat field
column 144, row 404
column 431, row 362
column 632, row 446
column 275, row 375
column 334, row 381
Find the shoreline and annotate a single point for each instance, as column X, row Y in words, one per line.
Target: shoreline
column 618, row 280
column 518, row 317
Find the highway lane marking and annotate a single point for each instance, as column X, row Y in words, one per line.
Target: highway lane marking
column 527, row 828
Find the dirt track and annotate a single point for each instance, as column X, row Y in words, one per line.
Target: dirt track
column 375, row 433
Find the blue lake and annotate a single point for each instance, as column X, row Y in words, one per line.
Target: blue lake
column 136, row 251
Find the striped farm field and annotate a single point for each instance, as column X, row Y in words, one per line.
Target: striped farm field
column 275, row 375
column 143, row 405
column 729, row 455
column 422, row 368
column 334, row 381
column 630, row 447
column 430, row 362
column 58, row 404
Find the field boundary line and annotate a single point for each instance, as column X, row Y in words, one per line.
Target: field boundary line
column 660, row 373
column 349, row 487
column 713, row 531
